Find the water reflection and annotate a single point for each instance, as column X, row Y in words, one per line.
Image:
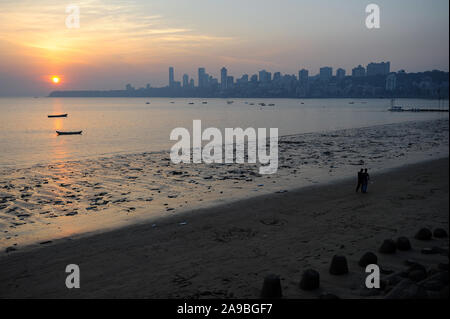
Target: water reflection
column 58, row 149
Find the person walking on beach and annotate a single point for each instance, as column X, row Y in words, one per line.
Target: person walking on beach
column 360, row 179
column 365, row 181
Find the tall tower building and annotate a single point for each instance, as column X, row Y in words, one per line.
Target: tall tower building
column 185, row 80
column 171, row 76
column 201, row 77
column 303, row 75
column 223, row 78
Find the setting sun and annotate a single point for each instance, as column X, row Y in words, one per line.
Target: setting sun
column 55, row 79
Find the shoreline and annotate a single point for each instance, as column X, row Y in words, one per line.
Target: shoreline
column 7, row 167
column 64, row 200
column 259, row 235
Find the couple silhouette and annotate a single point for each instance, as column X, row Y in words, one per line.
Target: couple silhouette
column 363, row 181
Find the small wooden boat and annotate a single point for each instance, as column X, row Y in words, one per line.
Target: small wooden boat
column 69, row 133
column 57, row 115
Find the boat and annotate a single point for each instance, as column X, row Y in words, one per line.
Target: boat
column 191, row 103
column 205, row 102
column 69, row 133
column 147, row 102
column 57, row 115
column 271, row 104
column 351, row 102
column 230, row 102
column 262, row 104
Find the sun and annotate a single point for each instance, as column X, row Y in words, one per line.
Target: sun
column 56, row 79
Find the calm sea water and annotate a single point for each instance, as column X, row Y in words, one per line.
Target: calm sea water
column 129, row 125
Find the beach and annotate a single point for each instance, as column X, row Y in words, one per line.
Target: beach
column 225, row 251
column 68, row 199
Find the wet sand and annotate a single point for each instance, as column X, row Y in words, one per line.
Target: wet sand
column 65, row 199
column 226, row 251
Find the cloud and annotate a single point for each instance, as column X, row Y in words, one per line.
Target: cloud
column 107, row 29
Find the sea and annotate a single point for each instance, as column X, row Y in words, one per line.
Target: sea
column 113, row 126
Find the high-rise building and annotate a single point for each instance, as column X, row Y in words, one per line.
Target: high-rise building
column 185, row 80
column 303, row 75
column 326, row 73
column 277, row 76
column 382, row 68
column 265, row 76
column 223, row 78
column 201, row 77
column 254, row 78
column 391, row 82
column 340, row 74
column 230, row 81
column 171, row 76
column 358, row 72
column 191, row 83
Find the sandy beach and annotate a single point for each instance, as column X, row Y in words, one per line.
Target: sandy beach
column 225, row 251
column 47, row 202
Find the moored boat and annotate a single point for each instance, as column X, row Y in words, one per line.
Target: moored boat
column 69, row 133
column 57, row 115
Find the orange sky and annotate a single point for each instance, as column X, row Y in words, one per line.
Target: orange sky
column 121, row 42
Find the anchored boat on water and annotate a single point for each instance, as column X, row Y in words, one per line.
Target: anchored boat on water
column 69, row 133
column 57, row 115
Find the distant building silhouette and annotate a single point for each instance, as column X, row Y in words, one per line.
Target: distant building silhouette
column 391, row 82
column 382, row 68
column 201, row 77
column 326, row 73
column 265, row 76
column 230, row 82
column 374, row 84
column 185, row 80
column 340, row 74
column 223, row 78
column 359, row 72
column 171, row 76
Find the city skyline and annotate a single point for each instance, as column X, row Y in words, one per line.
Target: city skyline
column 375, row 80
column 325, row 73
column 118, row 42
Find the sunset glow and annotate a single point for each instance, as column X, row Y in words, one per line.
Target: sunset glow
column 56, row 80
column 119, row 42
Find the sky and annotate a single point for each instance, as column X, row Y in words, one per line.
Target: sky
column 135, row 41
